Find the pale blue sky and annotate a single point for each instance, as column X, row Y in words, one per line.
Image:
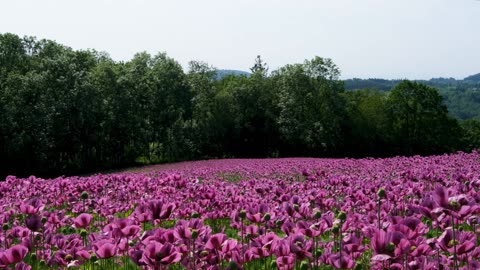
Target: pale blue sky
column 415, row 39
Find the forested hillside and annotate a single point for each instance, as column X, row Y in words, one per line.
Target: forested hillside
column 65, row 111
column 462, row 97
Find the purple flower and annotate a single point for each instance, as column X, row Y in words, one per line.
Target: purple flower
column 83, row 220
column 156, row 254
column 389, row 244
column 136, row 256
column 299, row 246
column 341, row 261
column 159, row 210
column 464, row 241
column 34, row 223
column 104, row 249
column 22, row 266
column 216, row 241
column 130, row 230
column 14, row 254
column 286, row 262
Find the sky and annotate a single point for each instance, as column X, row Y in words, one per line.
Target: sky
column 392, row 39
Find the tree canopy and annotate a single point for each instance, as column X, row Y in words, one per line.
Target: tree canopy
column 65, row 111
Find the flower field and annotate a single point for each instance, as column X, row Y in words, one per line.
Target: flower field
column 298, row 213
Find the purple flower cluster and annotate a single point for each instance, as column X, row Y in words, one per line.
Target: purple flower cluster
column 296, row 213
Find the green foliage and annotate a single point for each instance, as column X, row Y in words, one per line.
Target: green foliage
column 230, row 177
column 462, row 97
column 419, row 119
column 68, row 112
column 471, row 134
column 369, row 126
column 311, row 107
column 475, row 78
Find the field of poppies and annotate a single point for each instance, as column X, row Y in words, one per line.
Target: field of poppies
column 298, row 213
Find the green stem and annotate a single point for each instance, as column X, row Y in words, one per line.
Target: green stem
column 315, row 244
column 438, row 249
column 455, row 264
column 243, row 242
column 379, row 209
column 193, row 255
column 340, row 244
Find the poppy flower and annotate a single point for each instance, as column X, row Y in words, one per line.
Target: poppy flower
column 14, row 254
column 464, row 241
column 156, row 254
column 34, row 223
column 104, row 249
column 82, row 221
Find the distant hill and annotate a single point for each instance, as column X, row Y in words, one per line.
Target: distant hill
column 225, row 72
column 474, row 78
column 462, row 97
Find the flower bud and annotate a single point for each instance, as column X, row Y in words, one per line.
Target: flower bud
column 232, row 265
column 342, row 216
column 381, row 193
column 336, row 228
column 84, row 195
column 454, row 204
column 452, row 243
column 266, row 217
column 194, row 233
column 242, row 214
column 68, row 258
column 390, row 247
column 5, row 227
column 304, row 265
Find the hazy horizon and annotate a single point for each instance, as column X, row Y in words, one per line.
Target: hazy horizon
column 366, row 39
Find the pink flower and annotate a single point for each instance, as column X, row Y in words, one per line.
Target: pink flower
column 82, row 221
column 14, row 254
column 216, row 241
column 34, row 223
column 130, row 230
column 105, row 249
column 156, row 254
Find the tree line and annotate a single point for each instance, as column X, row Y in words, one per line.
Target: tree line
column 65, row 111
column 462, row 97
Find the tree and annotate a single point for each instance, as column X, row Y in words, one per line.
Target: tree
column 420, row 121
column 260, row 67
column 471, row 134
column 171, row 107
column 311, row 106
column 201, row 80
column 367, row 132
